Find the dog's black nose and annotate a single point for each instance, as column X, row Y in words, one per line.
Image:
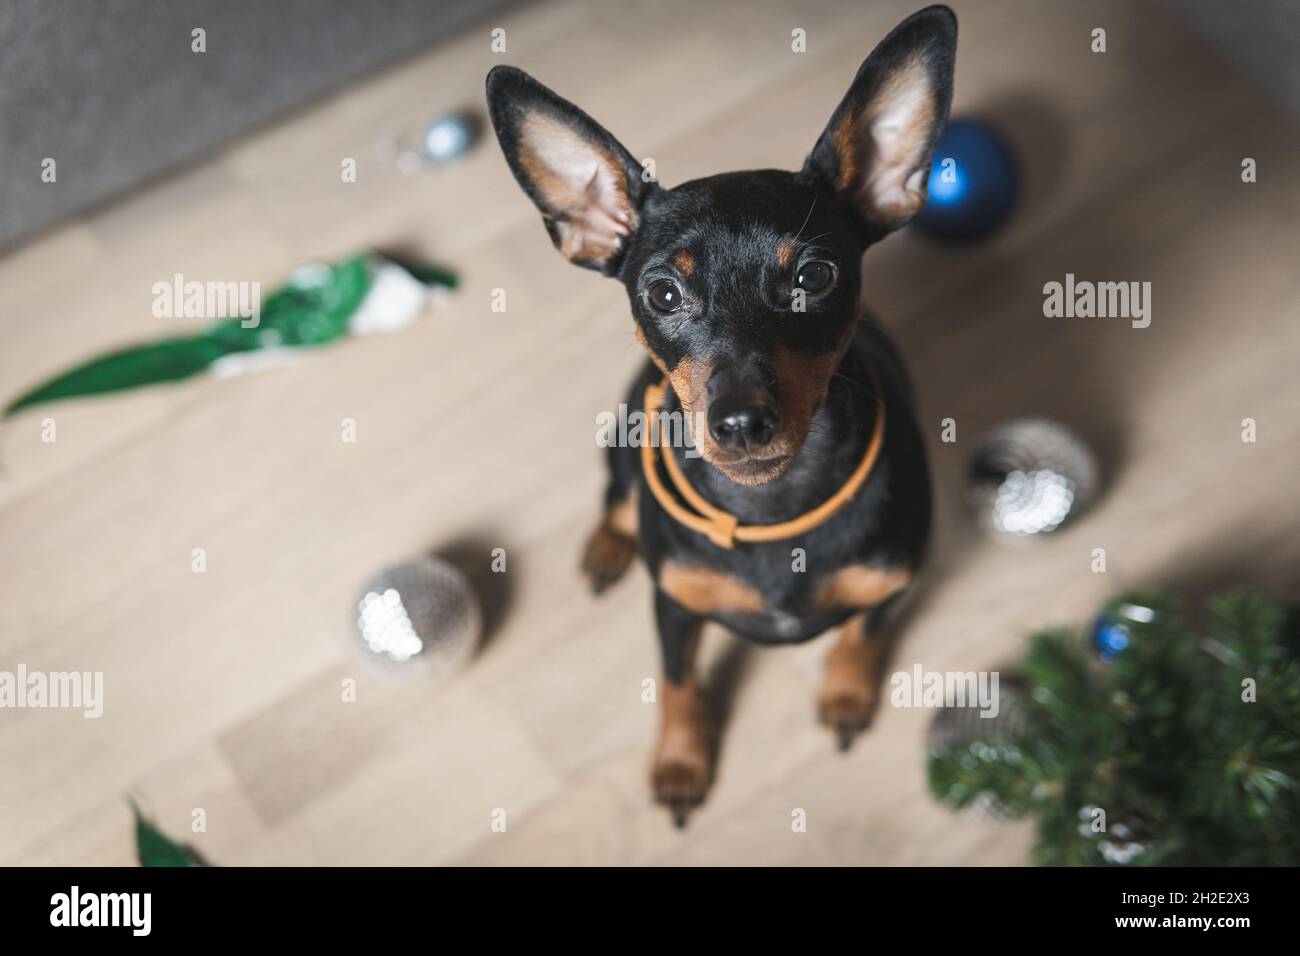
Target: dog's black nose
column 742, row 424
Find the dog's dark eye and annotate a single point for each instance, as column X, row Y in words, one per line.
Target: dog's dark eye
column 815, row 277
column 664, row 296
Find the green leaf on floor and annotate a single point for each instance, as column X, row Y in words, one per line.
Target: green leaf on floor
column 157, row 849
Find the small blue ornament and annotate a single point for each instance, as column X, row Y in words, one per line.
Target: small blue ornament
column 974, row 180
column 1110, row 637
column 448, row 137
column 1111, row 630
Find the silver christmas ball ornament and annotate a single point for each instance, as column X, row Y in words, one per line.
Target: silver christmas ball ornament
column 983, row 739
column 448, row 137
column 419, row 617
column 1030, row 477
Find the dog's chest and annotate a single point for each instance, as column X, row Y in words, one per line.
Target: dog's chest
column 771, row 597
column 782, row 627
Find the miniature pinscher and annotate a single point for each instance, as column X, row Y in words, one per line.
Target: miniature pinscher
column 804, row 503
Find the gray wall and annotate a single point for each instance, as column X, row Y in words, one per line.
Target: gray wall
column 1262, row 37
column 111, row 90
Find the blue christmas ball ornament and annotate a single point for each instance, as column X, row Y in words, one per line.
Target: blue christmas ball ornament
column 974, row 180
column 1109, row 637
column 1112, row 629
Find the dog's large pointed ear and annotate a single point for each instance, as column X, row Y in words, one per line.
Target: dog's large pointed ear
column 876, row 150
column 587, row 186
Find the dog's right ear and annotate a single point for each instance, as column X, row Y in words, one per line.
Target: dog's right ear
column 587, row 186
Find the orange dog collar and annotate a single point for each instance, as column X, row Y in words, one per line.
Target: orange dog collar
column 722, row 528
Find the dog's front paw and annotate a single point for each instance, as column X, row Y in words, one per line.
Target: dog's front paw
column 607, row 557
column 679, row 786
column 847, row 712
column 683, row 760
column 851, row 688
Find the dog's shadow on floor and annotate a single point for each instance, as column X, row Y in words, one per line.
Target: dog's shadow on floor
column 984, row 353
column 723, row 681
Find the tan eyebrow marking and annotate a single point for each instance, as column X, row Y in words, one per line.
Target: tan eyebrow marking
column 785, row 250
column 685, row 262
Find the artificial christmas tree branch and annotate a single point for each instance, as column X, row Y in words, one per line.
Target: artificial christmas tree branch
column 1184, row 749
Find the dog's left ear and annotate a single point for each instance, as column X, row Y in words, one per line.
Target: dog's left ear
column 876, row 151
column 588, row 187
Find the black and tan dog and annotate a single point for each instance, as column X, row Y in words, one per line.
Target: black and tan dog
column 805, row 504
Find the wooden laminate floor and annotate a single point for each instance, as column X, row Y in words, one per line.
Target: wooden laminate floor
column 475, row 431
